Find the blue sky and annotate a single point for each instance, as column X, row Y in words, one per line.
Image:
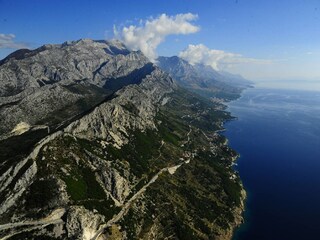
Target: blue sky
column 282, row 35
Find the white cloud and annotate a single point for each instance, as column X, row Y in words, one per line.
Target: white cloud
column 7, row 41
column 217, row 59
column 150, row 33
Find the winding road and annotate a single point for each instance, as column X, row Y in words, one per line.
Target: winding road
column 53, row 218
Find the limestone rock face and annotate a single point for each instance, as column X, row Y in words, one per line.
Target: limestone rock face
column 133, row 108
column 55, row 82
column 82, row 224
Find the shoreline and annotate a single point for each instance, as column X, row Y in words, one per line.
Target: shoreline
column 239, row 211
column 255, row 133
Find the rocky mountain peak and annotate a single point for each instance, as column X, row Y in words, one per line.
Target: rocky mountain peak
column 66, row 78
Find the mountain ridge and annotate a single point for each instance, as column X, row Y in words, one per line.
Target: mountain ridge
column 203, row 79
column 76, row 72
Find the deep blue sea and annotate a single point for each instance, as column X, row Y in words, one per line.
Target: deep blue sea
column 277, row 134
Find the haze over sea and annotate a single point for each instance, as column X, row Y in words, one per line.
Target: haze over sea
column 277, row 134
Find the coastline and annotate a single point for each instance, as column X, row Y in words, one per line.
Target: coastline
column 238, row 214
column 239, row 211
column 293, row 141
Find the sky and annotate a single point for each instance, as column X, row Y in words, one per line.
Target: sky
column 262, row 40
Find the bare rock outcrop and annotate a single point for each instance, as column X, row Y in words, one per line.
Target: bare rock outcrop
column 133, row 108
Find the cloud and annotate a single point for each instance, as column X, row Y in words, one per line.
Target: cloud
column 150, row 33
column 7, row 41
column 217, row 59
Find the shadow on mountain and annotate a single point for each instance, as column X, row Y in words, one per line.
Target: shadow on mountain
column 135, row 77
column 115, row 51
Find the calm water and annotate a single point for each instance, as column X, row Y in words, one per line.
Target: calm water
column 277, row 134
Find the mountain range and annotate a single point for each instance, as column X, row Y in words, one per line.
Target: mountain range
column 204, row 79
column 97, row 142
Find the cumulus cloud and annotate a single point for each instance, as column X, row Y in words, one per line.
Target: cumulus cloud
column 150, row 33
column 7, row 41
column 217, row 59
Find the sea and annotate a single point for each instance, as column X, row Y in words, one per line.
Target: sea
column 277, row 134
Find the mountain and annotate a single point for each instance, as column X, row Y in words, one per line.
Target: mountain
column 203, row 79
column 236, row 79
column 48, row 85
column 99, row 143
